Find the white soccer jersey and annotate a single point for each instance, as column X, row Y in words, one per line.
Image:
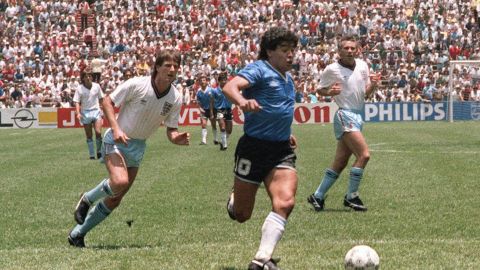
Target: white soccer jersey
column 353, row 83
column 88, row 98
column 141, row 112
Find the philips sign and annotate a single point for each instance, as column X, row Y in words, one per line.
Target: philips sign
column 386, row 112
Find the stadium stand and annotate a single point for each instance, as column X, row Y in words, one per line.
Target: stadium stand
column 45, row 44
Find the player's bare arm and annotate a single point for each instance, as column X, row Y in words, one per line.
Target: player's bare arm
column 232, row 92
column 77, row 111
column 332, row 90
column 180, row 138
column 372, row 86
column 212, row 104
column 109, row 111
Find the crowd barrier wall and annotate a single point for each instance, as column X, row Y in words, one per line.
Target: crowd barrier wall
column 317, row 113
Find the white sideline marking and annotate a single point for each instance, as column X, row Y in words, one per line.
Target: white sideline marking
column 407, row 241
column 376, row 144
column 425, row 152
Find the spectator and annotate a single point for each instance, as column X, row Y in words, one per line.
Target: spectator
column 226, row 35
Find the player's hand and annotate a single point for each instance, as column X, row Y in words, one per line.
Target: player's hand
column 79, row 118
column 335, row 89
column 182, row 138
column 120, row 137
column 250, row 105
column 375, row 78
column 293, row 142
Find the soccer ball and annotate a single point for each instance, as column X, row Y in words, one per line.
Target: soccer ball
column 362, row 257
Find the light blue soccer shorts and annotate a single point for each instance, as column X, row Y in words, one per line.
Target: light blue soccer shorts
column 346, row 121
column 132, row 153
column 90, row 116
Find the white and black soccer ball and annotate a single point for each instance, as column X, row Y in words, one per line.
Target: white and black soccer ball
column 362, row 257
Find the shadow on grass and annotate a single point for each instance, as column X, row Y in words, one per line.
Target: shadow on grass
column 116, row 247
column 334, row 210
column 228, row 268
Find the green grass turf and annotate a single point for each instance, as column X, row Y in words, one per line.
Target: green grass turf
column 421, row 187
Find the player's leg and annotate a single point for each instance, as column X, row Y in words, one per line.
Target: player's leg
column 203, row 121
column 213, row 122
column 341, row 126
column 228, row 122
column 242, row 200
column 89, row 134
column 358, row 146
column 114, row 202
column 342, row 155
column 109, row 194
column 223, row 133
column 98, row 135
column 251, row 167
column 228, row 127
column 281, row 185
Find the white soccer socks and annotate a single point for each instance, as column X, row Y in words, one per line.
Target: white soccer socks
column 272, row 231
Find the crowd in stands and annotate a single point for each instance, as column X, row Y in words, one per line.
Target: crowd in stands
column 45, row 44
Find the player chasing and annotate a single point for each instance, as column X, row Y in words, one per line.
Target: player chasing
column 348, row 80
column 223, row 107
column 87, row 100
column 144, row 103
column 265, row 153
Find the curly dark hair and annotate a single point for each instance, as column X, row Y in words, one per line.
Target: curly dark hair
column 273, row 38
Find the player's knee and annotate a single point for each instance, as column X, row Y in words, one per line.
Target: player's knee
column 365, row 157
column 242, row 216
column 119, row 184
column 114, row 202
column 285, row 206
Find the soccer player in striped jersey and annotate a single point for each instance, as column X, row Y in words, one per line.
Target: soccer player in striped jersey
column 265, row 153
column 87, row 100
column 349, row 82
column 145, row 102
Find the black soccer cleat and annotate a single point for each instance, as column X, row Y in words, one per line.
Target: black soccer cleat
column 99, row 155
column 215, row 142
column 268, row 265
column 230, row 211
column 92, row 157
column 355, row 203
column 317, row 204
column 81, row 210
column 78, row 241
column 222, row 148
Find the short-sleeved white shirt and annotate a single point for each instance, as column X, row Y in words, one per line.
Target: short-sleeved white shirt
column 353, row 83
column 141, row 111
column 88, row 98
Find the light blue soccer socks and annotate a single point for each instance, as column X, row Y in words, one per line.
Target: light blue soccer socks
column 91, row 150
column 272, row 232
column 356, row 175
column 99, row 144
column 328, row 180
column 99, row 192
column 94, row 217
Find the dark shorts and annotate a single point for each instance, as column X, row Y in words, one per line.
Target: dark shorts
column 224, row 114
column 206, row 113
column 255, row 158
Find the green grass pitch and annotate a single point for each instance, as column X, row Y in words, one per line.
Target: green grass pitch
column 421, row 187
